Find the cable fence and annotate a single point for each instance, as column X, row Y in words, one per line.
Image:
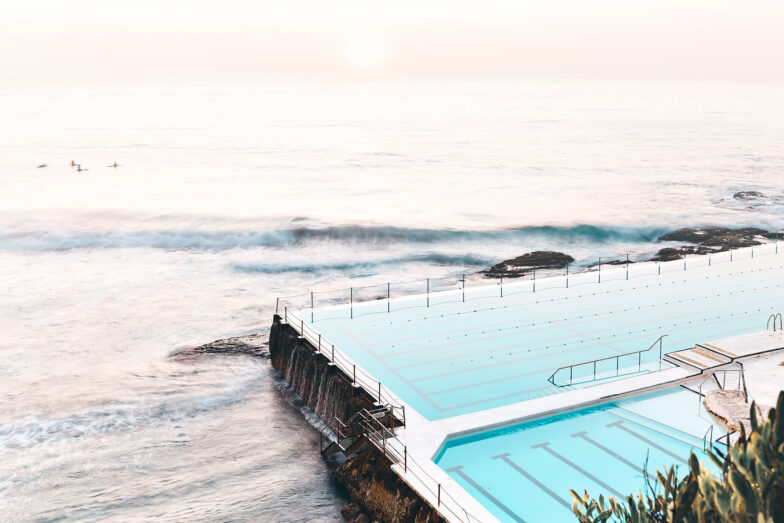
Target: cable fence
column 351, row 302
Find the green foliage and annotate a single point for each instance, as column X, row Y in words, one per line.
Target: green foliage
column 750, row 488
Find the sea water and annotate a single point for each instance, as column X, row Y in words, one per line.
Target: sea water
column 229, row 195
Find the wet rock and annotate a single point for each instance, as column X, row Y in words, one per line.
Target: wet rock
column 522, row 265
column 717, row 237
column 252, row 344
column 690, row 235
column 748, row 195
column 736, row 238
column 373, row 485
column 352, row 513
column 676, row 253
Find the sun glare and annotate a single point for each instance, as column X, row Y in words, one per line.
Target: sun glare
column 364, row 54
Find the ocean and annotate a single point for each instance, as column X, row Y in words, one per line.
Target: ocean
column 230, row 195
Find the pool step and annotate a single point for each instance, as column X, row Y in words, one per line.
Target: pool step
column 701, row 357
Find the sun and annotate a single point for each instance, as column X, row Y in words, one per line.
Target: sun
column 364, row 54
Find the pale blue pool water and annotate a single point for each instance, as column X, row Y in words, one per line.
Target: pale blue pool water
column 524, row 472
column 457, row 357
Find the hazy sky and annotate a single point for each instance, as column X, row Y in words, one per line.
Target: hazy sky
column 148, row 40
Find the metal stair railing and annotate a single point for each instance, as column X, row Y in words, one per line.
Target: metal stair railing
column 368, row 424
column 552, row 378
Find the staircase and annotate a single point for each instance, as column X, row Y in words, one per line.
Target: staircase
column 702, row 356
column 364, row 428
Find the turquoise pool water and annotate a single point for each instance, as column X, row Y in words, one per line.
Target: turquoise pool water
column 454, row 357
column 524, row 472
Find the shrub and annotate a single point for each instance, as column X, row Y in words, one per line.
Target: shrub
column 749, row 489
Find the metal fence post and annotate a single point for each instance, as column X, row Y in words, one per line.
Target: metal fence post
column 311, row 306
column 627, row 265
column 684, row 263
column 600, row 270
column 427, row 292
column 730, row 253
column 277, row 304
column 405, row 459
column 286, row 314
column 319, row 343
column 388, row 296
column 439, row 494
column 351, row 301
column 302, row 327
column 567, row 275
column 463, row 288
column 534, row 279
column 354, row 382
column 333, row 353
column 502, row 286
column 659, row 267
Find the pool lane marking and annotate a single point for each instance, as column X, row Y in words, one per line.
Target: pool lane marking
column 639, row 298
column 459, row 471
column 394, row 371
column 604, row 293
column 657, row 422
column 652, row 443
column 505, row 457
column 546, row 446
column 597, row 334
column 583, row 434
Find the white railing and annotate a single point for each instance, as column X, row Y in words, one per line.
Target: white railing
column 359, row 377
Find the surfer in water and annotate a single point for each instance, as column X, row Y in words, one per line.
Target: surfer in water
column 115, row 164
column 79, row 168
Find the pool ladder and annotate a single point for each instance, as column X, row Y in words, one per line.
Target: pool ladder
column 638, row 353
column 774, row 317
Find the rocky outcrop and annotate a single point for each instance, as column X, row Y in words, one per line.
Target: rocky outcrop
column 730, row 407
column 716, row 236
column 380, row 492
column 251, row 345
column 528, row 262
column 748, row 195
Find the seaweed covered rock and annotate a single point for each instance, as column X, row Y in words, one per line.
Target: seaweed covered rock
column 380, row 493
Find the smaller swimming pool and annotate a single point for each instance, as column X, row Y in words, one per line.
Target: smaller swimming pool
column 524, row 472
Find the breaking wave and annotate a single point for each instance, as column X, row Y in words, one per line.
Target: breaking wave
column 217, row 240
column 432, row 259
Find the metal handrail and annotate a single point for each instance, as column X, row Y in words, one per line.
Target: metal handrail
column 363, row 423
column 372, row 386
column 774, row 317
column 706, row 440
column 617, row 357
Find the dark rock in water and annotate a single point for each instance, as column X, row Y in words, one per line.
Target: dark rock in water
column 689, row 235
column 716, row 237
column 252, row 345
column 672, row 253
column 522, row 265
column 748, row 195
column 736, row 238
column 352, row 513
column 778, row 235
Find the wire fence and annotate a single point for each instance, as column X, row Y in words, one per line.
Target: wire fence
column 429, row 292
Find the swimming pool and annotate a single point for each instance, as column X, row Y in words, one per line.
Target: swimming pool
column 524, row 472
column 446, row 357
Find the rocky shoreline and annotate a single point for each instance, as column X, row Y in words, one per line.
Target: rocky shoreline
column 701, row 241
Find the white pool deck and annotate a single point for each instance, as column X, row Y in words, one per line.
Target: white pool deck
column 712, row 298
